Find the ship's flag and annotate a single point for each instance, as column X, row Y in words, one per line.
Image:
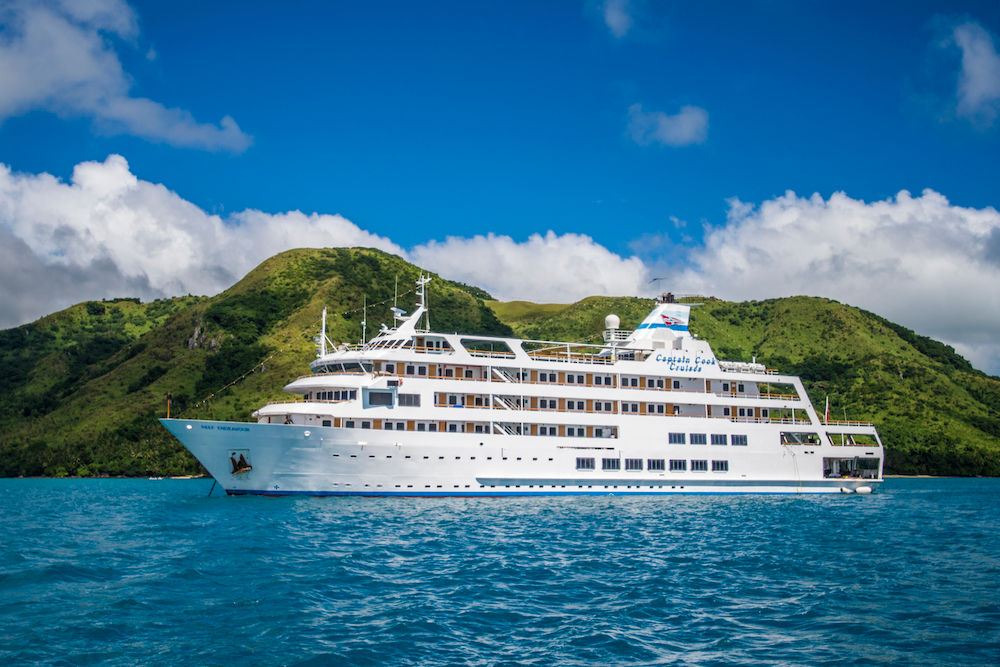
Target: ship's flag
column 828, row 409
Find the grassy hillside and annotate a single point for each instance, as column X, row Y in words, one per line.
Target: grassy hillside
column 83, row 387
column 936, row 414
column 88, row 388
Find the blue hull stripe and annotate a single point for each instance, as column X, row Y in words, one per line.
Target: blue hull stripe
column 494, row 494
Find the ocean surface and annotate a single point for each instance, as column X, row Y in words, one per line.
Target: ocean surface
column 157, row 572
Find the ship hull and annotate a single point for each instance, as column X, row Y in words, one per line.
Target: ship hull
column 280, row 459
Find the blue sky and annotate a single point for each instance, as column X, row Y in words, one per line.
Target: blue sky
column 650, row 138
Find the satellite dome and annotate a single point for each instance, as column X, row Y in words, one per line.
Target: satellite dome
column 612, row 322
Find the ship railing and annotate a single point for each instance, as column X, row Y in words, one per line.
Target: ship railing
column 570, row 357
column 292, row 401
column 751, row 395
column 846, row 422
column 491, row 354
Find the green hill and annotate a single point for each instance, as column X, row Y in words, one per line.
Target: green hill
column 82, row 388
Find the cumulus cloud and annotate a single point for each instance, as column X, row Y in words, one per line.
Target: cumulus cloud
column 109, row 233
column 617, row 16
column 919, row 261
column 58, row 56
column 688, row 126
column 549, row 268
column 979, row 81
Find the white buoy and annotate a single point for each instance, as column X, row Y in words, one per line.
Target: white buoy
column 863, row 490
column 844, row 489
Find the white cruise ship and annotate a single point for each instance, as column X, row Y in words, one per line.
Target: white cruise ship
column 651, row 411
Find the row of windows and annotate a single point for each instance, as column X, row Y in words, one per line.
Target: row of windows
column 543, row 376
column 655, row 465
column 334, row 395
column 701, row 439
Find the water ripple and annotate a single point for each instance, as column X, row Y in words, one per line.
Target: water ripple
column 128, row 571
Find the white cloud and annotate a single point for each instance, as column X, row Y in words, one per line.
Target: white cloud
column 617, row 16
column 918, row 261
column 688, row 126
column 547, row 268
column 58, row 56
column 108, row 233
column 979, row 80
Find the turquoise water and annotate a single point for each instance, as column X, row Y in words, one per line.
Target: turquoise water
column 155, row 572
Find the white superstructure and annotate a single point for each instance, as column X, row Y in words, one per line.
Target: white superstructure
column 417, row 413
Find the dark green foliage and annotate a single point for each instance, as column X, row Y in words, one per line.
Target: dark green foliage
column 233, row 359
column 81, row 389
column 249, row 315
column 943, row 354
column 151, row 376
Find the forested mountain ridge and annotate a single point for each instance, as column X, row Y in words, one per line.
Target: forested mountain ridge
column 84, row 386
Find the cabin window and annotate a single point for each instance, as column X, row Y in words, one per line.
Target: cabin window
column 676, row 438
column 720, row 466
column 677, row 384
column 448, row 373
column 677, row 465
column 584, row 463
column 718, row 438
column 655, row 464
column 699, row 466
column 349, row 423
column 725, row 411
column 698, row 439
column 421, row 426
column 411, row 369
column 570, row 379
column 432, row 426
column 421, row 370
column 380, row 398
column 390, row 368
column 598, row 432
column 387, row 426
column 633, row 464
column 611, row 464
column 409, row 400
column 763, row 412
column 739, row 441
column 326, row 422
column 453, row 428
column 739, row 388
column 743, row 412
